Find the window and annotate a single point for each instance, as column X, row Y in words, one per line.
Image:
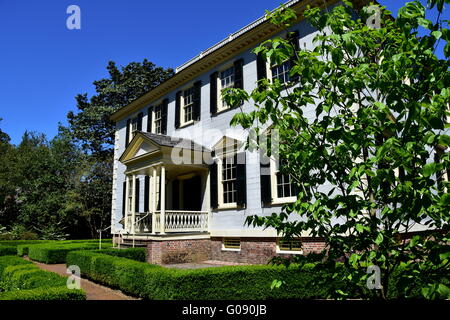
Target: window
column 285, row 188
column 130, row 194
column 133, row 124
column 157, row 122
column 281, row 72
column 229, row 179
column 188, row 105
column 226, row 78
column 232, row 243
column 293, row 245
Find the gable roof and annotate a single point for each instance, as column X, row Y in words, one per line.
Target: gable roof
column 157, row 141
column 168, row 141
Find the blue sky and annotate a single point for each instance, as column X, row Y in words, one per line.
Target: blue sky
column 43, row 65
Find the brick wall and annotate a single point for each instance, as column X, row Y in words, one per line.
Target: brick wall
column 253, row 250
column 178, row 251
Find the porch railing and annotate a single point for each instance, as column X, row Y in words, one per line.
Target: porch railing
column 175, row 221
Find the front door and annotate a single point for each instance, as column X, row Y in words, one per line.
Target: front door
column 192, row 194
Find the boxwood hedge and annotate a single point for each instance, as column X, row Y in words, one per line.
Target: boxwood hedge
column 7, row 250
column 136, row 254
column 22, row 280
column 55, row 293
column 22, row 248
column 51, row 253
column 237, row 282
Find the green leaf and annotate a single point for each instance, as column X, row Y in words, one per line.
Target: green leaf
column 429, row 169
column 379, row 239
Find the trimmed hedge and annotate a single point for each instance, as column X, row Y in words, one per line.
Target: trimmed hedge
column 29, row 276
column 22, row 249
column 231, row 283
column 7, row 250
column 136, row 254
column 55, row 293
column 51, row 253
column 6, row 261
column 22, row 280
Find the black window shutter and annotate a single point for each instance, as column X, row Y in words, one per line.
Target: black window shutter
column 178, row 109
column 261, row 67
column 124, row 198
column 139, row 121
column 213, row 92
column 239, row 74
column 127, row 134
column 136, row 196
column 241, row 179
column 149, row 119
column 213, row 185
column 146, row 194
column 293, row 38
column 164, row 116
column 197, row 100
column 266, row 186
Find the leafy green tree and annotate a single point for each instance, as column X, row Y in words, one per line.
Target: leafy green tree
column 91, row 125
column 364, row 140
column 6, row 212
column 93, row 130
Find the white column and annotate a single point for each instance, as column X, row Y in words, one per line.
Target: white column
column 127, row 205
column 153, row 197
column 163, row 199
column 133, row 205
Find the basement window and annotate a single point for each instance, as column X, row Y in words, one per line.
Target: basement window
column 293, row 246
column 232, row 244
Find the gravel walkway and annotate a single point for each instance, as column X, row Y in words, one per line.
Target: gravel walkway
column 93, row 290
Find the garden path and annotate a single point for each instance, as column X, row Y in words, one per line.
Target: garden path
column 93, row 290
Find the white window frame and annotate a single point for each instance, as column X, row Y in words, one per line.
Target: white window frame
column 183, row 106
column 270, row 72
column 279, row 250
column 130, row 194
column 226, row 151
column 133, row 127
column 221, row 106
column 274, row 169
column 224, row 248
column 155, row 120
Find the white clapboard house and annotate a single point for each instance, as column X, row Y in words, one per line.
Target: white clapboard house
column 183, row 182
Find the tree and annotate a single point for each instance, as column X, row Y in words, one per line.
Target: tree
column 93, row 130
column 91, row 125
column 369, row 162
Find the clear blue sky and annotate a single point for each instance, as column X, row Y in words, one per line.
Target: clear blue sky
column 43, row 65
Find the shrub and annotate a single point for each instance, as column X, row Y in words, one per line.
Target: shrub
column 22, row 280
column 117, row 272
column 136, row 254
column 51, row 253
column 7, row 250
column 237, row 282
column 6, row 261
column 55, row 293
column 29, row 276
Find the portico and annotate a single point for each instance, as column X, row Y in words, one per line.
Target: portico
column 176, row 180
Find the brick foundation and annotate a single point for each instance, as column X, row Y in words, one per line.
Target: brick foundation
column 178, row 251
column 253, row 250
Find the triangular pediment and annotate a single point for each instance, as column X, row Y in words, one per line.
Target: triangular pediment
column 138, row 147
column 227, row 145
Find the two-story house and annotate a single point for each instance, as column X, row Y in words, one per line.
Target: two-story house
column 183, row 182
